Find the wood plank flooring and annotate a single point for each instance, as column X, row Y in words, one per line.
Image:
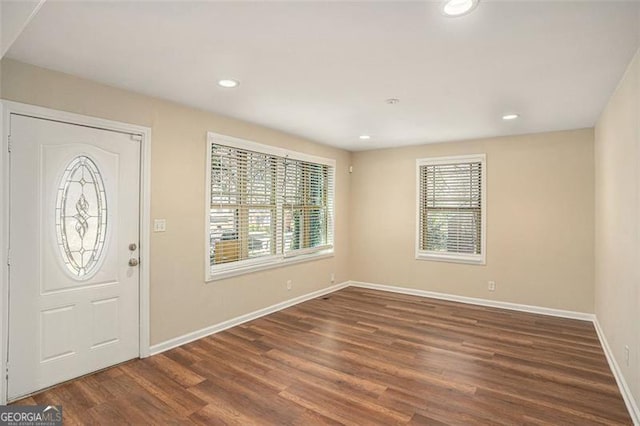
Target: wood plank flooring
column 363, row 357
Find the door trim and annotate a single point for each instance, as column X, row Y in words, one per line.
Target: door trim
column 6, row 109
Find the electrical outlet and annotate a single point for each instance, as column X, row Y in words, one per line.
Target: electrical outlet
column 492, row 286
column 289, row 285
column 332, row 277
column 626, row 355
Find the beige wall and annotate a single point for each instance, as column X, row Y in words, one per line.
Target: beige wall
column 617, row 236
column 181, row 301
column 539, row 221
column 539, row 218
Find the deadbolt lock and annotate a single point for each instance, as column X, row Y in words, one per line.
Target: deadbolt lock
column 133, row 262
column 133, row 247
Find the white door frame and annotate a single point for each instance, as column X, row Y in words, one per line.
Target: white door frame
column 6, row 109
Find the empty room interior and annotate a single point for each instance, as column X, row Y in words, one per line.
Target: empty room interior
column 320, row 212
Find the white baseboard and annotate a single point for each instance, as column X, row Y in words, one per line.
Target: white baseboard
column 198, row 334
column 476, row 301
column 617, row 373
column 632, row 407
column 216, row 328
column 615, row 369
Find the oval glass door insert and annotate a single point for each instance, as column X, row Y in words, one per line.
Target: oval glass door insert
column 81, row 217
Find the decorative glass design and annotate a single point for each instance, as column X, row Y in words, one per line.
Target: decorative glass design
column 81, row 217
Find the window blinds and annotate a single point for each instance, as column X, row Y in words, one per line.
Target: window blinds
column 307, row 202
column 267, row 205
column 243, row 204
column 451, row 207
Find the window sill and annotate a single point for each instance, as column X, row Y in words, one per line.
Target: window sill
column 452, row 258
column 256, row 267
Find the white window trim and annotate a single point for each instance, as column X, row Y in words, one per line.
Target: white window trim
column 247, row 266
column 479, row 259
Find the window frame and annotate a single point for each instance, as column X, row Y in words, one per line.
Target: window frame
column 245, row 266
column 476, row 259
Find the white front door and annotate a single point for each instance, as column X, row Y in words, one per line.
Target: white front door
column 74, row 232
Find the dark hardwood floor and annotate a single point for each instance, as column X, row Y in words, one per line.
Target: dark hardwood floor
column 363, row 357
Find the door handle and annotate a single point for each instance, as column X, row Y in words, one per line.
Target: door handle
column 132, row 260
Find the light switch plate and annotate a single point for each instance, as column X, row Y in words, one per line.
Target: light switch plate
column 159, row 225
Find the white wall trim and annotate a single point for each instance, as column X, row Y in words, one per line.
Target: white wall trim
column 632, row 407
column 145, row 244
column 630, row 402
column 216, row 328
column 615, row 369
column 476, row 301
column 4, row 238
column 231, row 269
column 217, row 138
column 473, row 259
column 9, row 108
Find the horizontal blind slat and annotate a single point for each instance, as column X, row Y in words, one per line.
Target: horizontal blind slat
column 263, row 204
column 450, row 207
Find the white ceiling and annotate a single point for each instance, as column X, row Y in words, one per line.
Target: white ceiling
column 14, row 17
column 322, row 70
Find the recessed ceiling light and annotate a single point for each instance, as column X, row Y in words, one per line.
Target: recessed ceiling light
column 458, row 7
column 365, row 137
column 510, row 116
column 228, row 83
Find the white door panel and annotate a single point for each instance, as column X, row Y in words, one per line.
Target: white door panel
column 74, row 210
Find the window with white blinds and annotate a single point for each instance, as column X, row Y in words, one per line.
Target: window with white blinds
column 451, row 213
column 266, row 206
